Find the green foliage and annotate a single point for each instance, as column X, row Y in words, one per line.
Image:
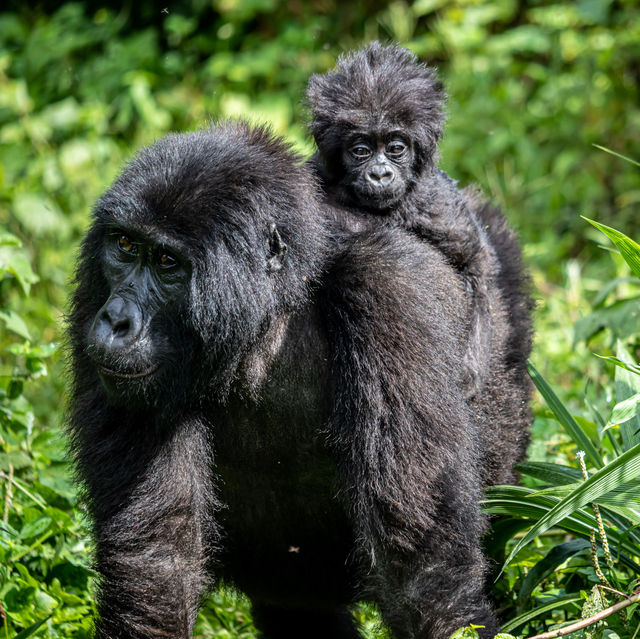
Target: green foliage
column 43, row 577
column 602, row 506
column 533, row 86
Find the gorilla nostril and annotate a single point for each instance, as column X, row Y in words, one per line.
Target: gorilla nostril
column 121, row 327
column 118, row 326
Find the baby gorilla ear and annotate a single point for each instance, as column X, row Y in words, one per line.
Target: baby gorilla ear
column 277, row 250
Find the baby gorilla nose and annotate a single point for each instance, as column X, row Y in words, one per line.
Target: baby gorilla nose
column 380, row 175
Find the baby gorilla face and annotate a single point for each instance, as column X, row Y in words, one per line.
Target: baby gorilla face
column 378, row 168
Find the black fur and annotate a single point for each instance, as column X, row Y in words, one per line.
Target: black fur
column 305, row 435
column 384, row 93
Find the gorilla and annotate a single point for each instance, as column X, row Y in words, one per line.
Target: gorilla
column 377, row 120
column 258, row 401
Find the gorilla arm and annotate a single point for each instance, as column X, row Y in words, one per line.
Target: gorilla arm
column 153, row 508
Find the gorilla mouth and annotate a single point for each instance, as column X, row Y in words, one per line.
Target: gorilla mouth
column 122, row 375
column 378, row 197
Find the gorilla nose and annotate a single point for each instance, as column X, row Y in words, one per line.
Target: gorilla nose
column 380, row 175
column 117, row 324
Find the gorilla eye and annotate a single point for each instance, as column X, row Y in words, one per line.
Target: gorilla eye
column 396, row 148
column 166, row 260
column 360, row 151
column 127, row 245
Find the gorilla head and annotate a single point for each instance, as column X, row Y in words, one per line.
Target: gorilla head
column 149, row 310
column 376, row 120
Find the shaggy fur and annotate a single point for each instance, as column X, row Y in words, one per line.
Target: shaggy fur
column 303, row 433
column 382, row 93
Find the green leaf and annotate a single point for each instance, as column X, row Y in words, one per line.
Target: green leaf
column 625, row 410
column 15, row 323
column 626, row 495
column 618, row 155
column 14, row 389
column 526, row 502
column 35, row 528
column 621, row 470
column 20, row 268
column 622, row 318
column 629, row 249
column 44, row 602
column 27, row 632
column 556, row 603
column 552, row 560
column 554, row 474
column 632, row 368
column 468, row 632
column 38, row 214
column 8, row 239
column 565, row 418
column 44, row 350
column 627, row 385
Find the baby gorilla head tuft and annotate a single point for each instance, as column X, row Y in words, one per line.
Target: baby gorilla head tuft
column 376, row 120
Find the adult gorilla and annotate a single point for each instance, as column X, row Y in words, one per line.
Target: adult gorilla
column 254, row 404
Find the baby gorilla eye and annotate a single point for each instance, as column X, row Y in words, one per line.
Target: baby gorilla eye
column 396, row 148
column 166, row 260
column 360, row 151
column 126, row 244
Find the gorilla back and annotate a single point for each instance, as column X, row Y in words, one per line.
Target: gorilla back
column 254, row 404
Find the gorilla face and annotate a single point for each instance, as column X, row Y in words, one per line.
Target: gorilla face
column 133, row 338
column 378, row 167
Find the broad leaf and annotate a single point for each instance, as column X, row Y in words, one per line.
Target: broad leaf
column 621, row 470
column 629, row 249
column 15, row 323
column 553, row 559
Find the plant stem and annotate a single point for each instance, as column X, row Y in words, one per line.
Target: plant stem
column 7, row 495
column 583, row 623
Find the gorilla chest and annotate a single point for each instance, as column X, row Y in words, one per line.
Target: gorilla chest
column 276, row 479
column 282, row 517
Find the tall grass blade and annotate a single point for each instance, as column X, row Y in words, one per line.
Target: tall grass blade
column 565, row 418
column 554, row 474
column 558, row 602
column 618, row 155
column 627, row 386
column 28, row 632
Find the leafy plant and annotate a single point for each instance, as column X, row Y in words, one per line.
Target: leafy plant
column 42, row 580
column 596, row 504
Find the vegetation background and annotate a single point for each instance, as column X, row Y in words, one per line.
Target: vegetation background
column 534, row 85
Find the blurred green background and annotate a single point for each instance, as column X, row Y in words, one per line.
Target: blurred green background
column 533, row 85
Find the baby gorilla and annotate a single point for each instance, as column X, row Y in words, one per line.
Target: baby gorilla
column 377, row 120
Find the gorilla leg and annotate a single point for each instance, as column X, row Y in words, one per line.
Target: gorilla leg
column 431, row 600
column 275, row 622
column 152, row 542
column 429, row 592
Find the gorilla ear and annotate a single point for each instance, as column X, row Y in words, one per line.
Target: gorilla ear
column 277, row 250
